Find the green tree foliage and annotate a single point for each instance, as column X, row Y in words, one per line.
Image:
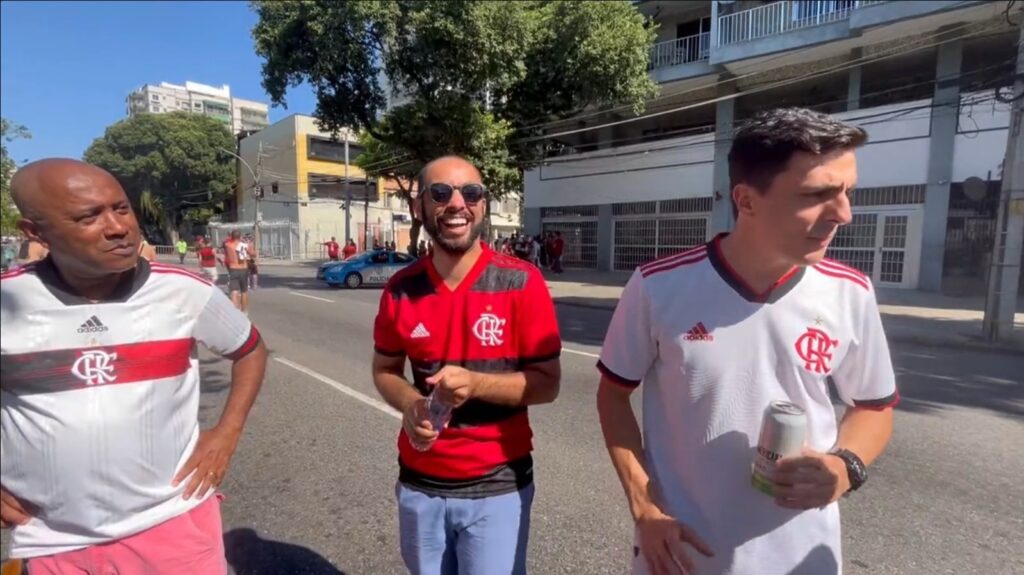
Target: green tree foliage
column 173, row 166
column 471, row 77
column 9, row 215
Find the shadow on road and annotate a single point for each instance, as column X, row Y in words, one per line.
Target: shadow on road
column 249, row 554
column 931, row 380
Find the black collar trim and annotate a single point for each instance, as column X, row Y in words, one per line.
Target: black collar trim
column 781, row 287
column 129, row 283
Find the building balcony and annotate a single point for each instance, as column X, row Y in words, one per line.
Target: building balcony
column 796, row 24
column 679, row 51
column 781, row 17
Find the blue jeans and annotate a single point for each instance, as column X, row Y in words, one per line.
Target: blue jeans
column 454, row 536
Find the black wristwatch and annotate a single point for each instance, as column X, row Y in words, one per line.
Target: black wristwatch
column 855, row 468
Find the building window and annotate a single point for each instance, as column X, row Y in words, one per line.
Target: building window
column 331, row 150
column 197, row 105
column 324, row 186
column 155, row 98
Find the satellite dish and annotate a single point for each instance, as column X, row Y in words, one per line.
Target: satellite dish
column 975, row 188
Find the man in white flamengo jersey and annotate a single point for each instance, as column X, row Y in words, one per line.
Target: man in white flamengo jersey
column 104, row 468
column 716, row 333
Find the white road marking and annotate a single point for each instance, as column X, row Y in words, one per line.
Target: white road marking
column 312, row 297
column 577, row 352
column 374, row 403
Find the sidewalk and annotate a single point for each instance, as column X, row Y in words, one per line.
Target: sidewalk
column 909, row 316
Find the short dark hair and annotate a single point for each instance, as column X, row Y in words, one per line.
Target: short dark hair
column 762, row 146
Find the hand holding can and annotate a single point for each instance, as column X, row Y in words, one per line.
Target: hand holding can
column 783, row 431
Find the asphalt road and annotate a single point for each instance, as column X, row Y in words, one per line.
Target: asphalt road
column 311, row 489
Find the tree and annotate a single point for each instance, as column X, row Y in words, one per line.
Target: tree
column 475, row 78
column 9, row 215
column 173, row 166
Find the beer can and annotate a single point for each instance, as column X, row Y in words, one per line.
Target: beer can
column 783, row 431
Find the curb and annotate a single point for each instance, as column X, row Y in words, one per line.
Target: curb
column 962, row 343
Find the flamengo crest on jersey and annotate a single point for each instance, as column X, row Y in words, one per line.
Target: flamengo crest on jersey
column 100, row 391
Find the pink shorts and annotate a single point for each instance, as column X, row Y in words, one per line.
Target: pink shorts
column 189, row 543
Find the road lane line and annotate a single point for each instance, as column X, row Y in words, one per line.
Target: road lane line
column 577, row 352
column 312, row 297
column 374, row 403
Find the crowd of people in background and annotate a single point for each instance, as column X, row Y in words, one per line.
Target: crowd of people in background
column 542, row 250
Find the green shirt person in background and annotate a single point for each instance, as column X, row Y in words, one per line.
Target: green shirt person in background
column 182, row 247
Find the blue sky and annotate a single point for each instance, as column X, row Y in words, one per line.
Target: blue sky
column 66, row 67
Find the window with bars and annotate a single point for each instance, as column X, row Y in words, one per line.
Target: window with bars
column 634, row 208
column 641, row 240
column 685, row 205
column 569, row 212
column 888, row 196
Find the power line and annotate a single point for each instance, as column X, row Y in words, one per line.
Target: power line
column 756, row 90
column 888, row 116
column 896, row 51
column 706, row 128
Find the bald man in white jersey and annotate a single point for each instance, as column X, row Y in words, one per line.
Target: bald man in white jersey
column 715, row 334
column 104, row 468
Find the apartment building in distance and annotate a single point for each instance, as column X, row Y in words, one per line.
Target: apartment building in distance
column 238, row 114
column 928, row 80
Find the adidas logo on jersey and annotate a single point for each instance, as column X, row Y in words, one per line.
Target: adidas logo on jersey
column 420, row 331
column 699, row 333
column 93, row 325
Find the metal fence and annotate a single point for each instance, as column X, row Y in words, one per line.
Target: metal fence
column 781, row 17
column 681, row 51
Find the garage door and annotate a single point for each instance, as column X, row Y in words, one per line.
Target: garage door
column 578, row 225
column 645, row 231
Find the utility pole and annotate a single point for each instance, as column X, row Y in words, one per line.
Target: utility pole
column 259, row 196
column 348, row 194
column 1004, row 275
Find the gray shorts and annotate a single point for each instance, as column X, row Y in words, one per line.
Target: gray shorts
column 238, row 280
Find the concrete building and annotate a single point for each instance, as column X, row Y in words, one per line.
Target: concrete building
column 302, row 172
column 926, row 79
column 240, row 115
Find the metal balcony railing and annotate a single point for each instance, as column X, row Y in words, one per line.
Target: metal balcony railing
column 781, row 17
column 681, row 51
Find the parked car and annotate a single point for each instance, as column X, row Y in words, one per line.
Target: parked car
column 369, row 268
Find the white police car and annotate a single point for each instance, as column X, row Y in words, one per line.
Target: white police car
column 368, row 268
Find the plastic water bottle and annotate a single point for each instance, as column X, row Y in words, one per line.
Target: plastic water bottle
column 440, row 414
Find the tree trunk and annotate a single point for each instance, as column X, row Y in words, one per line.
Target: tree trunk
column 414, row 237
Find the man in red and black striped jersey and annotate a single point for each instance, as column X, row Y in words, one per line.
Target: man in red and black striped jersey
column 104, row 467
column 479, row 329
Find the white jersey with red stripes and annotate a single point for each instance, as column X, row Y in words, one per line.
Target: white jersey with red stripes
column 100, row 401
column 711, row 354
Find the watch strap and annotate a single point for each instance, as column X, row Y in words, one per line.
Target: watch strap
column 856, row 471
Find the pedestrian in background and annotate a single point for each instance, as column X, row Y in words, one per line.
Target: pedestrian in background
column 236, row 257
column 479, row 329
column 207, row 256
column 332, row 249
column 717, row 334
column 182, row 248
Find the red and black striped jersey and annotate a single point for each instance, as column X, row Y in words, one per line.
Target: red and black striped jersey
column 499, row 319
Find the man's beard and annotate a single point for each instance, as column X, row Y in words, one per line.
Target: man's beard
column 452, row 246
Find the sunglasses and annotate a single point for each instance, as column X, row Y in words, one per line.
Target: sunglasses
column 471, row 193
